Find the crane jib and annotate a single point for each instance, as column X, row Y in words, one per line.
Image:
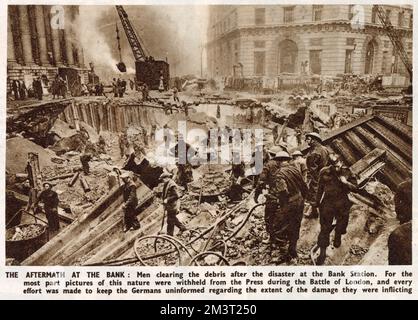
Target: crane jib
column 133, row 40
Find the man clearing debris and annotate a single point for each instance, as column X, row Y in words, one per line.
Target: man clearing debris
column 400, row 240
column 175, row 94
column 317, row 158
column 333, row 203
column 50, row 200
column 284, row 201
column 123, row 141
column 170, row 197
column 86, row 157
column 130, row 203
column 102, row 145
column 184, row 174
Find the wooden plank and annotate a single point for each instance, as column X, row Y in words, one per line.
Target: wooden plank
column 42, row 256
column 392, row 141
column 404, row 130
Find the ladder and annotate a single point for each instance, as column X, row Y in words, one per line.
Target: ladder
column 395, row 38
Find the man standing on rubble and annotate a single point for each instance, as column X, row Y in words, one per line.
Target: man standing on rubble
column 130, row 203
column 87, row 156
column 284, row 200
column 175, row 94
column 123, row 141
column 316, row 159
column 400, row 240
column 170, row 197
column 333, row 203
column 50, row 200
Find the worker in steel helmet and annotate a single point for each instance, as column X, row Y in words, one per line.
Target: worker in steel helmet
column 50, row 200
column 335, row 183
column 400, row 240
column 171, row 201
column 130, row 203
column 317, row 158
column 267, row 180
column 292, row 190
column 284, row 200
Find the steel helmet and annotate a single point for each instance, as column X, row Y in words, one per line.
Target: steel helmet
column 314, row 135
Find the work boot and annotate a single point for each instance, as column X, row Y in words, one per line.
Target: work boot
column 321, row 258
column 291, row 252
column 337, row 240
column 135, row 226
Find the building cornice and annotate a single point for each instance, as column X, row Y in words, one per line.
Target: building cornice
column 323, row 26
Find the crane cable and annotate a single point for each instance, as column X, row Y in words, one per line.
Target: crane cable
column 118, row 39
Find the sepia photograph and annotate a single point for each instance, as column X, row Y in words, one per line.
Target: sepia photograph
column 209, row 135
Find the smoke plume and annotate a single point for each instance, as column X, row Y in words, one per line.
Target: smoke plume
column 176, row 33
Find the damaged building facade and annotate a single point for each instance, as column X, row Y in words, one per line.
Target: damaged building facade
column 42, row 41
column 266, row 41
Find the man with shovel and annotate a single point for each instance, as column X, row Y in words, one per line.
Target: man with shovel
column 171, row 202
column 130, row 203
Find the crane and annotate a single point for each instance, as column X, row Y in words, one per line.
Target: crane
column 137, row 50
column 395, row 38
column 148, row 70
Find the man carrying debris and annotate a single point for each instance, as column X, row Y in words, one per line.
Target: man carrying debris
column 400, row 240
column 175, row 95
column 333, row 203
column 298, row 134
column 236, row 176
column 50, row 200
column 284, row 201
column 316, row 159
column 130, row 203
column 170, row 197
column 185, row 108
column 102, row 145
column 123, row 141
column 87, row 156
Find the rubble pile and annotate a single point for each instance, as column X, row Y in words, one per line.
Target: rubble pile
column 75, row 197
column 17, row 154
column 24, row 232
column 212, row 183
column 241, row 238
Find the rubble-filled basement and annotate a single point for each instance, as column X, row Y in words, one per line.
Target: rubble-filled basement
column 224, row 225
column 292, row 147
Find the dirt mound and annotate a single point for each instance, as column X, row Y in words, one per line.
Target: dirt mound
column 17, row 154
column 62, row 129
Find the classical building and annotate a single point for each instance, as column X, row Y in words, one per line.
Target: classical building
column 268, row 40
column 41, row 41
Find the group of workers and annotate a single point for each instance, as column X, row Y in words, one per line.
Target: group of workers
column 287, row 183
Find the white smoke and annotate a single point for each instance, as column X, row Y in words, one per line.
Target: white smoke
column 176, row 32
column 95, row 44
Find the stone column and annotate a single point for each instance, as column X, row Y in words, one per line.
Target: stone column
column 69, row 45
column 11, row 56
column 25, row 35
column 56, row 46
column 40, row 28
column 81, row 55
